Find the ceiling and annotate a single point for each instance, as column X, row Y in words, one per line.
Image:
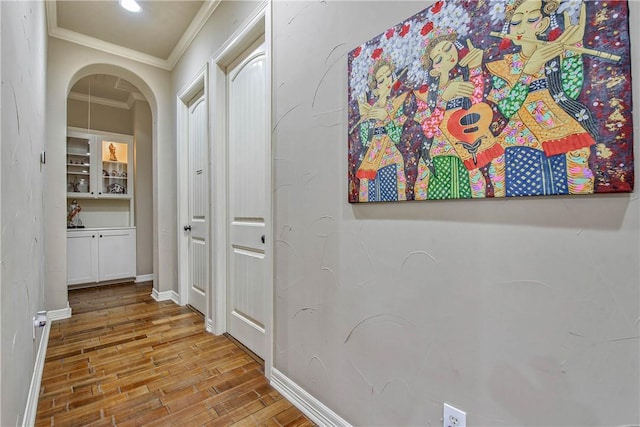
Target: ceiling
column 104, row 86
column 107, row 90
column 158, row 35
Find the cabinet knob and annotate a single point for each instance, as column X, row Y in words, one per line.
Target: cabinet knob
column 93, row 236
column 262, row 238
column 101, row 236
column 187, row 228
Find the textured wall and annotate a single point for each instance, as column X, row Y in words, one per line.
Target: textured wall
column 226, row 19
column 519, row 311
column 143, row 187
column 24, row 46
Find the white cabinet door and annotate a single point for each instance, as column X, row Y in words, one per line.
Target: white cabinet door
column 81, row 181
column 117, row 251
column 82, row 257
column 100, row 254
column 115, row 157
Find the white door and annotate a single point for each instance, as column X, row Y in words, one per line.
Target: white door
column 247, row 109
column 198, row 203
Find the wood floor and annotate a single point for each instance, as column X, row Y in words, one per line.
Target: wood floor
column 124, row 359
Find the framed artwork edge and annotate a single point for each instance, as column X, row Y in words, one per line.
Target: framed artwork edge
column 493, row 99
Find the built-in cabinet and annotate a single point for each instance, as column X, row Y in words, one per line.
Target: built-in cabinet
column 99, row 165
column 100, row 254
column 102, row 245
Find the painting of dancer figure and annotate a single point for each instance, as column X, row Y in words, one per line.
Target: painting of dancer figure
column 493, row 98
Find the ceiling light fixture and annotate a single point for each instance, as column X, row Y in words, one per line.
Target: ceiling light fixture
column 130, row 5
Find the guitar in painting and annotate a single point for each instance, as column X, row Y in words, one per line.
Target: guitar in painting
column 471, row 130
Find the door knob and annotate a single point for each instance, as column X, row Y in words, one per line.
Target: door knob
column 187, row 228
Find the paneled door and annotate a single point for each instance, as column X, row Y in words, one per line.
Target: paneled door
column 197, row 227
column 247, row 139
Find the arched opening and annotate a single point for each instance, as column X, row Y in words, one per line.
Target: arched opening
column 92, row 105
column 109, row 182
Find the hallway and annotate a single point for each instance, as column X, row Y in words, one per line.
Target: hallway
column 124, row 359
column 519, row 311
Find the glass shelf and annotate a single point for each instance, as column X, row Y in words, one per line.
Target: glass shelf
column 115, row 157
column 79, row 166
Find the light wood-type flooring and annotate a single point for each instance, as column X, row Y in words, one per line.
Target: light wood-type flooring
column 124, row 359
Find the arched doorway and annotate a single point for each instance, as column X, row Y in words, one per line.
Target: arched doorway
column 115, row 200
column 64, row 72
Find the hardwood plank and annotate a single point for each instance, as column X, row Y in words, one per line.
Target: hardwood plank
column 270, row 411
column 189, row 413
column 144, row 417
column 124, row 359
column 290, row 417
column 133, row 406
column 244, row 412
column 230, row 405
column 193, row 398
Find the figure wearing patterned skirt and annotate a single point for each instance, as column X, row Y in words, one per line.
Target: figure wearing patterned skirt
column 454, row 171
column 549, row 134
column 381, row 170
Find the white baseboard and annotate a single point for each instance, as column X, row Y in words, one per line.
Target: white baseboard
column 210, row 327
column 165, row 296
column 144, row 278
column 31, row 409
column 63, row 313
column 309, row 405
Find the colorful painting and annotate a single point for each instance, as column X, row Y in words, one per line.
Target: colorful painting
column 493, row 98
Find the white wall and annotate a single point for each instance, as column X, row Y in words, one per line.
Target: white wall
column 519, row 311
column 104, row 213
column 103, row 117
column 142, row 132
column 1, row 181
column 67, row 63
column 226, row 19
column 23, row 59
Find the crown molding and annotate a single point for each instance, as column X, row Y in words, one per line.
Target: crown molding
column 133, row 97
column 207, row 8
column 125, row 105
column 84, row 40
column 122, row 84
column 97, row 100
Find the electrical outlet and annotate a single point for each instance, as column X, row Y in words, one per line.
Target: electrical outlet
column 453, row 417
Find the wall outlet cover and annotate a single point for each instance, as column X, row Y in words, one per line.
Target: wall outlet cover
column 453, row 417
